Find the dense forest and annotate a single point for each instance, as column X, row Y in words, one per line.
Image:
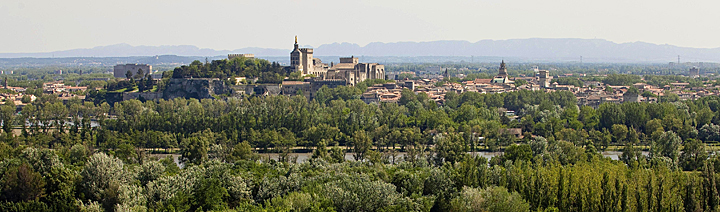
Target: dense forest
column 412, row 156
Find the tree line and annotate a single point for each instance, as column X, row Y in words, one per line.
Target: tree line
column 60, row 160
column 267, row 72
column 538, row 178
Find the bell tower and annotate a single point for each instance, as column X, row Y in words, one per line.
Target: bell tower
column 502, row 72
column 295, row 58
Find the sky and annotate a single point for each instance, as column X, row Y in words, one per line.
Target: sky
column 49, row 25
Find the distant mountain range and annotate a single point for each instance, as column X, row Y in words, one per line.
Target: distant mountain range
column 126, row 50
column 533, row 49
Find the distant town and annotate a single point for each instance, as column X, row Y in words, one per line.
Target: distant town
column 432, row 81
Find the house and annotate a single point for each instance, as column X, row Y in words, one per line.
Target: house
column 517, row 132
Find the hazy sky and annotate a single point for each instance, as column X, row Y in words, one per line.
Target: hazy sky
column 49, row 25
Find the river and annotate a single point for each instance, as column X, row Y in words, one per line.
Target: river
column 302, row 157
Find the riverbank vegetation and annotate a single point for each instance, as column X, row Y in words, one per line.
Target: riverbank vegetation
column 55, row 159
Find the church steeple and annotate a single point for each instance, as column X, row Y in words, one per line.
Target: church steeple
column 295, row 56
column 296, row 44
column 502, row 72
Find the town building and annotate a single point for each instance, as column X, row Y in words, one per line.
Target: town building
column 631, row 97
column 502, row 77
column 349, row 69
column 544, row 78
column 694, row 72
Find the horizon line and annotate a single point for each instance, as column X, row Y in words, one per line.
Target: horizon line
column 361, row 46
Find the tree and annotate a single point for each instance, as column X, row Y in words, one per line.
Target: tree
column 690, row 202
column 589, row 117
column 518, row 152
column 710, row 132
column 633, row 90
column 669, row 97
column 284, row 142
column 321, row 132
column 141, row 86
column 100, row 173
column 58, row 113
column 358, row 193
column 126, row 152
column 652, row 126
column 337, row 155
column 194, row 149
column 324, row 95
column 149, row 82
column 150, row 171
column 520, row 82
column 619, row 132
column 170, row 166
column 568, row 81
column 347, row 93
column 210, row 195
column 609, row 89
column 610, row 114
column 506, row 138
column 489, row 199
column 693, row 155
column 361, row 144
column 448, row 148
column 709, row 188
column 704, row 116
column 321, row 152
column 26, row 99
column 129, row 74
column 243, row 151
column 296, row 76
column 140, row 74
column 7, row 116
column 630, row 153
column 22, row 183
column 635, row 114
column 78, row 154
column 632, row 136
column 407, row 96
column 668, row 145
column 648, row 94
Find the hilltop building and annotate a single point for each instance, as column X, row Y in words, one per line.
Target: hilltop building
column 231, row 56
column 694, row 72
column 119, row 71
column 301, row 59
column 502, row 77
column 349, row 69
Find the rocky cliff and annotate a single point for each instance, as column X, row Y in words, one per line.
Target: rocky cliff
column 199, row 88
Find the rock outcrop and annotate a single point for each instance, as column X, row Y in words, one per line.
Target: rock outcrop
column 198, row 88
